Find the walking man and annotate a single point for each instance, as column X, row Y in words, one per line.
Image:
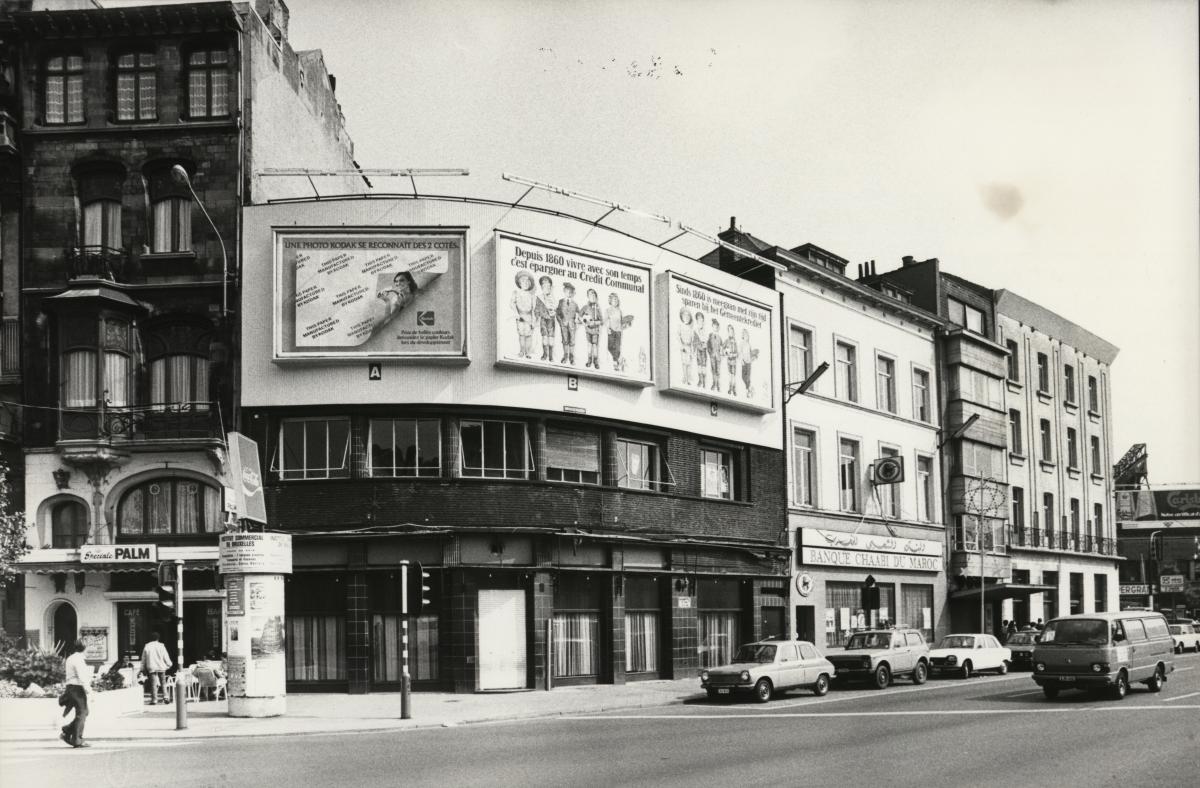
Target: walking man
column 155, row 662
column 78, row 686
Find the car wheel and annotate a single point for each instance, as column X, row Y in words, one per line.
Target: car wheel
column 966, row 669
column 1003, row 668
column 920, row 673
column 763, row 690
column 822, row 685
column 1121, row 688
column 1050, row 691
column 883, row 677
column 1155, row 684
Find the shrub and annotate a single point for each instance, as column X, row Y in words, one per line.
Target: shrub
column 28, row 666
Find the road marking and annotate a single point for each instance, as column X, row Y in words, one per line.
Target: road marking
column 941, row 713
column 1182, row 670
column 1181, row 697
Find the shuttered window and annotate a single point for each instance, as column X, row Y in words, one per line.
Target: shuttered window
column 572, row 456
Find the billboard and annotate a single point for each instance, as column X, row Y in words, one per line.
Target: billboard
column 246, row 477
column 718, row 345
column 565, row 309
column 379, row 293
column 1133, row 505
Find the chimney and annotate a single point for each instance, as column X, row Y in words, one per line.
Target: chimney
column 733, row 223
column 907, row 260
column 872, row 268
column 860, row 271
column 332, row 84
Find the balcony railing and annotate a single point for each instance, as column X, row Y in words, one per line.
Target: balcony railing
column 10, row 348
column 1061, row 540
column 102, row 262
column 174, row 421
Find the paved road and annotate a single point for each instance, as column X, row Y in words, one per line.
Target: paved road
column 983, row 731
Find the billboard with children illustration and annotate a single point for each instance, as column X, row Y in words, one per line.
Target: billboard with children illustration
column 370, row 294
column 718, row 345
column 565, row 309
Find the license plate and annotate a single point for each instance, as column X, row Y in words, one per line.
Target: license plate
column 724, row 691
column 1066, row 678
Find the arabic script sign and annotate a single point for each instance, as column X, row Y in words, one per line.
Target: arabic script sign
column 841, row 540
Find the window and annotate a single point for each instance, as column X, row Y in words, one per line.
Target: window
column 91, row 374
column 1043, row 370
column 1069, row 384
column 642, row 617
column 1018, row 508
column 1014, row 428
column 572, row 455
column 717, row 474
column 719, row 613
column 1072, row 448
column 495, row 449
column 315, row 610
column 172, row 224
column 208, row 83
column 1097, row 468
column 64, row 89
column 889, row 494
column 926, row 501
column 1100, row 593
column 102, row 224
column 136, row 86
column 982, row 460
column 1098, row 518
column 885, row 384
column 170, row 507
column 68, row 525
column 848, row 474
column 1048, row 511
column 1075, row 518
column 576, row 627
column 846, row 381
column 179, row 379
column 965, row 315
column 975, row 386
column 917, row 610
column 921, row 408
column 314, row 448
column 1093, row 394
column 800, row 354
column 637, row 464
column 79, row 379
column 804, row 483
column 1047, row 444
column 406, row 447
column 1014, row 361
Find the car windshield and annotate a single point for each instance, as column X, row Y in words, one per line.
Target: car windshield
column 1020, row 639
column 755, row 652
column 1176, row 629
column 957, row 641
column 1082, row 631
column 869, row 640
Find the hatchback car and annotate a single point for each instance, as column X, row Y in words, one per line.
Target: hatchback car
column 1185, row 637
column 770, row 666
column 880, row 655
column 1020, row 644
column 967, row 654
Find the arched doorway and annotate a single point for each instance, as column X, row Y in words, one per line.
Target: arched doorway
column 63, row 629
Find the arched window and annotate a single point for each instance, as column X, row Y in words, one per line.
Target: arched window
column 170, row 209
column 68, row 525
column 99, row 185
column 170, row 507
column 177, row 360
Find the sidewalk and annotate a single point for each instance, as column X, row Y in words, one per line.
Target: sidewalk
column 29, row 720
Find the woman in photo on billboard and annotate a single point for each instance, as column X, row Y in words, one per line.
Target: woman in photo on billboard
column 392, row 297
column 686, row 353
column 567, row 313
column 522, row 304
column 544, row 310
column 593, row 321
column 729, row 348
column 746, row 355
column 700, row 348
column 617, row 322
column 714, row 354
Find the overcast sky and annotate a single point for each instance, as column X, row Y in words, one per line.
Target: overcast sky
column 1050, row 148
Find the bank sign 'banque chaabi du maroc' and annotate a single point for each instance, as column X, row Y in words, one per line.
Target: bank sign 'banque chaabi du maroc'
column 835, row 548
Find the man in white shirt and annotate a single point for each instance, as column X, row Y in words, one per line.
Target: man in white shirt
column 78, row 683
column 156, row 662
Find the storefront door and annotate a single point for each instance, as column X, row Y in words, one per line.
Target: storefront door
column 502, row 640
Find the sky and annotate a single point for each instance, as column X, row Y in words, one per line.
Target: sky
column 1049, row 148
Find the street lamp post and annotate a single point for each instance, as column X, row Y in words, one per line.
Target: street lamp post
column 181, row 175
column 987, row 498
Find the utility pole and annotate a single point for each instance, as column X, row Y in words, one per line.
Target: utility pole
column 405, row 686
column 987, row 498
column 181, row 720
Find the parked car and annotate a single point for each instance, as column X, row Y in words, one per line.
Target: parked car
column 770, row 666
column 1104, row 651
column 880, row 655
column 1021, row 644
column 967, row 654
column 1185, row 636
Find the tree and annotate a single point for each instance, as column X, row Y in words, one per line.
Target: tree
column 12, row 531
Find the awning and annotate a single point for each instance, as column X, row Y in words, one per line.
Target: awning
column 71, row 567
column 997, row 591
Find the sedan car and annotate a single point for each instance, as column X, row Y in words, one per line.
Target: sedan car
column 770, row 666
column 1186, row 637
column 967, row 654
column 1021, row 645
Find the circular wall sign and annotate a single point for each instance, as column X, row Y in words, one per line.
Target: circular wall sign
column 804, row 584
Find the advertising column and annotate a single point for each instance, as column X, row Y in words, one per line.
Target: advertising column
column 253, row 566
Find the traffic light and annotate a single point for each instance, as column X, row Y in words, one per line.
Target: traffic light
column 1196, row 548
column 418, row 589
column 870, row 594
column 166, row 609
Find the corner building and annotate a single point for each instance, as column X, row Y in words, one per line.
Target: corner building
column 513, row 398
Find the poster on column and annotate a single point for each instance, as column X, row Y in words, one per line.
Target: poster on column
column 718, row 345
column 391, row 293
column 570, row 310
column 256, row 638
